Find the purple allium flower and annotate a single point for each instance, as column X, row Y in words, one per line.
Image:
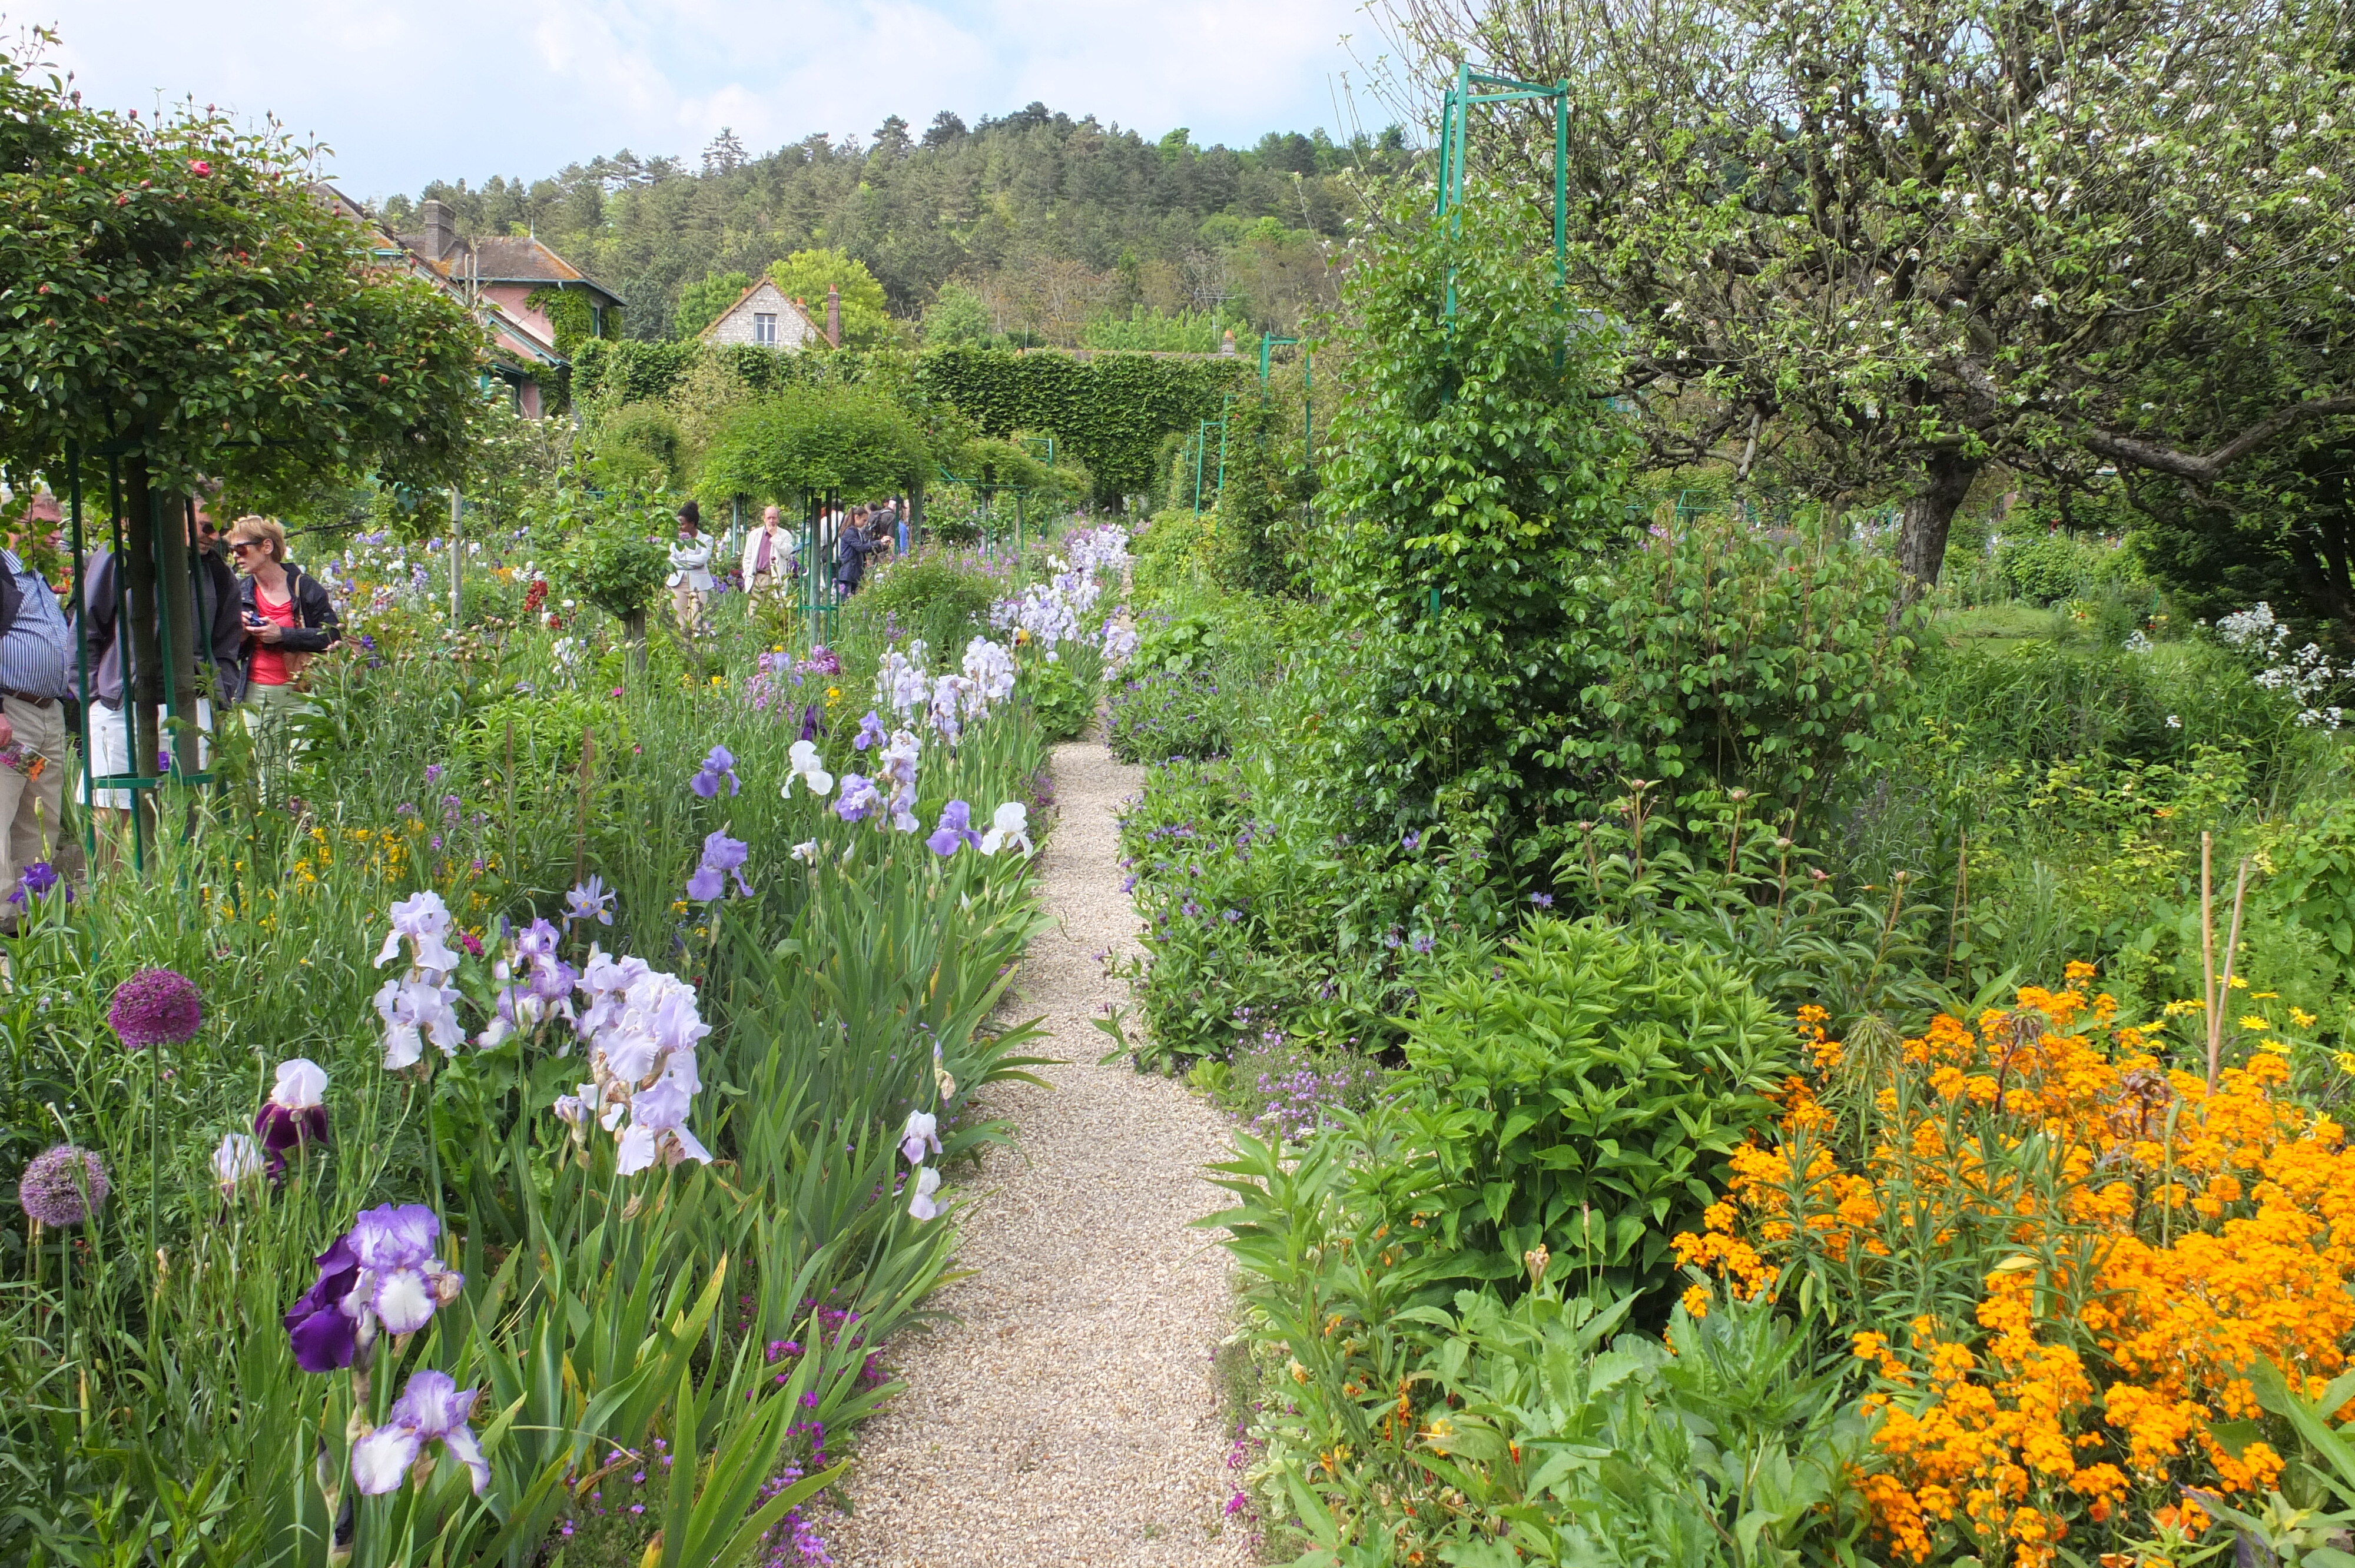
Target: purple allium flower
column 955, row 829
column 719, row 765
column 63, row 1187
column 722, row 857
column 1542, row 900
column 294, row 1114
column 157, row 1007
column 590, row 900
column 433, row 1408
column 871, row 732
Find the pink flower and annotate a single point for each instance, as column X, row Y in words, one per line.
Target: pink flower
column 200, row 168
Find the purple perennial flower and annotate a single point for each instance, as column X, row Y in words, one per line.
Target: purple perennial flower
column 719, row 765
column 383, row 1272
column 1542, row 900
column 433, row 1408
column 955, row 829
column 871, row 732
column 590, row 900
column 858, row 800
column 722, row 857
column 35, row 881
column 294, row 1114
column 63, row 1187
column 157, row 1007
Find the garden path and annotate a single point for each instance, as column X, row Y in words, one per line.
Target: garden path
column 1072, row 1416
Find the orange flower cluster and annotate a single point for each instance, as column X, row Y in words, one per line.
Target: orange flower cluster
column 2141, row 1242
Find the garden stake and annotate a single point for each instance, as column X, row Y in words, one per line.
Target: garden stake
column 2232, row 941
column 510, row 867
column 1962, row 894
column 2208, row 947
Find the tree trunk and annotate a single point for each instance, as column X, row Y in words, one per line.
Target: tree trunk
column 1922, row 536
column 143, row 686
column 634, row 636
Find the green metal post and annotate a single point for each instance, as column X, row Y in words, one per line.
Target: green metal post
column 1198, row 444
column 1223, row 404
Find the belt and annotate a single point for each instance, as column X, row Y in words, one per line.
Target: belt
column 27, row 697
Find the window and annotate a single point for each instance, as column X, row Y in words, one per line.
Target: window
column 765, row 327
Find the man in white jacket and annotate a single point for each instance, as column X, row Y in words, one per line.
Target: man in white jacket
column 767, row 556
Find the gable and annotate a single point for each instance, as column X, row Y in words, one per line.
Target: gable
column 762, row 315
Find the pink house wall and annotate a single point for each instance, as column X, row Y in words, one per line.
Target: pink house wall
column 510, row 297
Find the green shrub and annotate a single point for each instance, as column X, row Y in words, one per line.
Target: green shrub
column 637, row 443
column 1062, row 694
column 940, row 594
column 1582, row 1093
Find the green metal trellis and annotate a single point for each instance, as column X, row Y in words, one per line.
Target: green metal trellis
column 1307, row 390
column 1454, row 148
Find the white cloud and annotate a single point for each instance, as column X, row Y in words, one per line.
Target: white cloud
column 407, row 94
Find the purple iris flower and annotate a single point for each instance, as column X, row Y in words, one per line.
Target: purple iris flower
column 718, row 765
column 324, row 1337
column 956, row 828
column 859, row 797
column 294, row 1114
column 722, row 857
column 871, row 732
column 35, row 881
column 813, row 721
column 431, row 1408
column 1542, row 900
column 537, row 940
column 395, row 1247
column 590, row 900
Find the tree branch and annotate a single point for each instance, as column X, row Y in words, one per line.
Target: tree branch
column 2206, row 469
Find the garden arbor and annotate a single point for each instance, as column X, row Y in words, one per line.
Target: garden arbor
column 181, row 313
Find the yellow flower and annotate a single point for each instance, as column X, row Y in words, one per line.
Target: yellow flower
column 2254, row 1022
column 2189, row 1004
column 2302, row 1018
column 2346, row 1060
column 2280, row 1047
column 2240, row 982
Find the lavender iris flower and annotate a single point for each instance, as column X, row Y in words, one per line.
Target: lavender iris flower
column 590, row 900
column 421, row 917
column 719, row 765
column 920, row 1202
column 431, row 1408
column 858, row 800
column 413, row 1012
column 955, row 829
column 394, row 1245
column 922, row 1133
column 537, row 940
column 722, row 857
column 871, row 732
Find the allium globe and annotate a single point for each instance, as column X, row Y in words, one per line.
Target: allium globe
column 64, row 1187
column 157, row 1007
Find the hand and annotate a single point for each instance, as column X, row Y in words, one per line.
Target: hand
column 268, row 632
column 8, row 732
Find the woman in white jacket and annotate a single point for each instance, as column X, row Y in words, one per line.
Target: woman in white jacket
column 690, row 568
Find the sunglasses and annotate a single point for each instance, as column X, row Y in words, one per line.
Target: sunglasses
column 239, row 547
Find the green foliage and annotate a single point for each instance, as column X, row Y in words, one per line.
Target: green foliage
column 1062, row 695
column 700, row 302
column 1581, row 1094
column 637, row 443
column 173, row 282
column 570, row 311
column 2283, row 533
column 1261, row 528
column 609, row 551
column 1111, row 412
column 1155, row 330
column 939, row 596
column 806, row 275
column 806, row 439
column 956, row 318
column 1476, row 470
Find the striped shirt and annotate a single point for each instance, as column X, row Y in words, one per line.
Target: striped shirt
column 37, row 654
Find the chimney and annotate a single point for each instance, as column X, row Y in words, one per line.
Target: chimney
column 440, row 228
column 833, row 316
column 1227, row 343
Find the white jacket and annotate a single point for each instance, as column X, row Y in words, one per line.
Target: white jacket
column 691, row 564
column 780, row 551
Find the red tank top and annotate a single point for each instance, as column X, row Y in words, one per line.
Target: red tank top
column 270, row 659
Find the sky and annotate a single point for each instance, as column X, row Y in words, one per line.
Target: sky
column 406, row 93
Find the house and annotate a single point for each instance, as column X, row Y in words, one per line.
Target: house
column 762, row 314
column 512, row 286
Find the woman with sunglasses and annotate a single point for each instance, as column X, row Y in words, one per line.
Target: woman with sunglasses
column 288, row 618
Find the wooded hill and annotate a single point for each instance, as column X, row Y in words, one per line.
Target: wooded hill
column 1061, row 230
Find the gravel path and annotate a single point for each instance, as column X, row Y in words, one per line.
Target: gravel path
column 1072, row 1415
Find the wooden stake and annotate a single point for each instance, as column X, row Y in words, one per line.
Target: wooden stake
column 2207, row 945
column 2232, row 941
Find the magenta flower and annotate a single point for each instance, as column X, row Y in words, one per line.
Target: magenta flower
column 157, row 1007
column 63, row 1187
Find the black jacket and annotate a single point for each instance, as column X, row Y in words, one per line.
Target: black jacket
column 315, row 628
column 217, row 611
